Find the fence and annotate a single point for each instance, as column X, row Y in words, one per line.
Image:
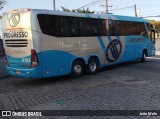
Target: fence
column 3, row 71
column 158, row 46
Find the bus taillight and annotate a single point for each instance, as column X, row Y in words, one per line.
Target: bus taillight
column 34, row 59
column 5, row 58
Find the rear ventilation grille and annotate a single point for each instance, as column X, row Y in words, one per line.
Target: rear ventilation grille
column 16, row 43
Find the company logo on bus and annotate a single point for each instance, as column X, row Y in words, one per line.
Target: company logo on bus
column 114, row 50
column 14, row 19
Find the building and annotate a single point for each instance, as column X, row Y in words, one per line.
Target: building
column 3, row 71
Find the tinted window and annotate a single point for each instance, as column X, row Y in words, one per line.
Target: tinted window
column 141, row 30
column 66, row 26
column 120, row 28
column 43, row 23
column 149, row 26
column 110, row 27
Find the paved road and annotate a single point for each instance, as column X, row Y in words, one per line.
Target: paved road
column 130, row 86
column 3, row 71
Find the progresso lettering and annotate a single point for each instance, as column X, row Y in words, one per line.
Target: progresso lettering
column 20, row 34
column 135, row 40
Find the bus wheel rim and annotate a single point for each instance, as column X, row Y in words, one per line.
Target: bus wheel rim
column 77, row 69
column 93, row 66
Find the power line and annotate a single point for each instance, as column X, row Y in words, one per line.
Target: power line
column 151, row 16
column 123, row 8
column 90, row 4
column 96, row 2
column 148, row 6
column 151, row 12
column 134, row 6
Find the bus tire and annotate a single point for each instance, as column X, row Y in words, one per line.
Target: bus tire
column 77, row 68
column 144, row 54
column 92, row 66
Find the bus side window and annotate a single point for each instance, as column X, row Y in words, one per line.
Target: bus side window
column 142, row 30
column 120, row 28
column 149, row 29
column 102, row 27
column 82, row 27
column 95, row 26
column 70, row 26
column 44, row 23
column 53, row 25
column 110, row 27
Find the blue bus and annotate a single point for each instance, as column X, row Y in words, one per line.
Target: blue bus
column 45, row 43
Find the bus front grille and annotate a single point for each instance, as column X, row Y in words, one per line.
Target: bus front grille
column 16, row 43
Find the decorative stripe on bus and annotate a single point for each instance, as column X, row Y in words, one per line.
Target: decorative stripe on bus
column 102, row 44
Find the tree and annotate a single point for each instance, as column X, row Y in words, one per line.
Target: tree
column 78, row 10
column 156, row 24
column 2, row 3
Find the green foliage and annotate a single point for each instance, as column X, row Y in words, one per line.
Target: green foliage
column 2, row 3
column 78, row 10
column 156, row 24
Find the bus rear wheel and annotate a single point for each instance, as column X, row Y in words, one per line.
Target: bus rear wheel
column 92, row 66
column 77, row 69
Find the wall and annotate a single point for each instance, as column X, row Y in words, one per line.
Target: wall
column 3, row 71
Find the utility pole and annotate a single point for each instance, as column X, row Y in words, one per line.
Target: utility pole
column 138, row 13
column 135, row 8
column 54, row 5
column 106, row 6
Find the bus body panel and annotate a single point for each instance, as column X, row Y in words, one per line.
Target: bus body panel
column 56, row 54
column 17, row 37
column 26, row 73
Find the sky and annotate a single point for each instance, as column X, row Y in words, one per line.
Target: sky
column 146, row 7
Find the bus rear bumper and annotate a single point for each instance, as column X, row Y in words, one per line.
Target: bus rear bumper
column 25, row 73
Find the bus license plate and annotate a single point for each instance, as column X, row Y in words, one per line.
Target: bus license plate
column 18, row 72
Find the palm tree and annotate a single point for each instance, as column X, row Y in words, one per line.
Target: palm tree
column 2, row 3
column 78, row 10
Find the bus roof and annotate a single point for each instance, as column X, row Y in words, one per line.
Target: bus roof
column 99, row 16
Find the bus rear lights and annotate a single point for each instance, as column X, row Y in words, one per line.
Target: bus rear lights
column 34, row 59
column 5, row 58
